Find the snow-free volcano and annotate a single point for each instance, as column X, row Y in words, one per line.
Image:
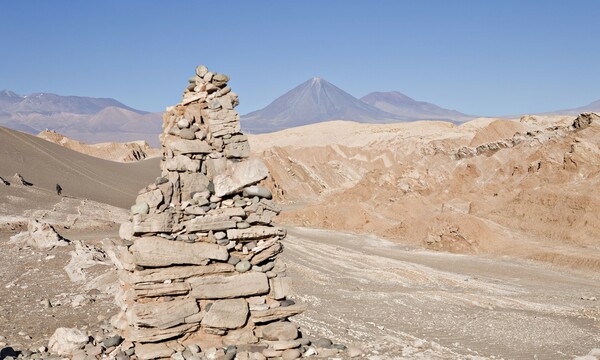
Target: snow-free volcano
column 313, row 101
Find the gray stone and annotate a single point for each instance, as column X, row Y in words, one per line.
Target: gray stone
column 65, row 341
column 284, row 344
column 256, row 232
column 183, row 123
column 187, row 134
column 160, row 275
column 243, row 266
column 195, row 349
column 225, row 287
column 210, row 223
column 281, row 330
column 220, row 80
column 265, row 316
column 182, row 163
column 161, row 180
column 112, row 341
column 152, row 198
column 140, row 208
column 242, row 225
column 189, row 146
column 151, row 335
column 239, row 175
column 323, row 343
column 152, row 351
column 201, row 70
column 233, row 260
column 39, row 235
column 267, row 253
column 153, row 223
column 156, row 251
column 162, row 315
column 291, row 354
column 161, row 289
column 256, row 190
column 192, row 183
column 227, row 314
column 280, row 287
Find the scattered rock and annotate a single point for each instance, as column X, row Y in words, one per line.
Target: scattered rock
column 280, row 330
column 40, row 235
column 323, row 343
column 65, row 341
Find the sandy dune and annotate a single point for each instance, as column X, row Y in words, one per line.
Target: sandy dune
column 45, row 164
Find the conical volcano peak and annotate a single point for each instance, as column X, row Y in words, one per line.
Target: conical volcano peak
column 314, row 100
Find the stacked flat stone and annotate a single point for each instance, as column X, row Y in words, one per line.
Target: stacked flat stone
column 200, row 263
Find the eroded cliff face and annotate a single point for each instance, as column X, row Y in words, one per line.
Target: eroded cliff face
column 525, row 187
column 114, row 151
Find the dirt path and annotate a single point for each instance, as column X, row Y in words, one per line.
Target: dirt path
column 386, row 297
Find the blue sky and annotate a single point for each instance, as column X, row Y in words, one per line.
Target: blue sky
column 482, row 57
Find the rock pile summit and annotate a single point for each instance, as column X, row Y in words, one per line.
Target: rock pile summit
column 200, row 267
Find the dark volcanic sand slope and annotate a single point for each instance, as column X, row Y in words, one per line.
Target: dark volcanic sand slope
column 45, row 164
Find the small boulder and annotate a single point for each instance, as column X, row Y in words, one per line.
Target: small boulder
column 65, row 341
column 141, row 208
column 40, row 235
column 256, row 190
column 227, row 314
column 291, row 354
column 282, row 330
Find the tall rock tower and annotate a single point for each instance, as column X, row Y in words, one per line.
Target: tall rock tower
column 200, row 266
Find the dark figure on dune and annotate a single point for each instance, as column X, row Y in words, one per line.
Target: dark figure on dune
column 58, row 189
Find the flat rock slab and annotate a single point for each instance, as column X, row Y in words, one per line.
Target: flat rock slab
column 189, row 147
column 152, row 335
column 280, row 330
column 161, row 289
column 255, row 232
column 162, row 315
column 227, row 314
column 232, row 286
column 153, row 351
column 65, row 341
column 265, row 316
column 157, row 252
column 153, row 223
column 159, row 275
column 239, row 175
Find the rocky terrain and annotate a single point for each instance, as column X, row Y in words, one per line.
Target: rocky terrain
column 439, row 241
column 114, row 151
column 490, row 186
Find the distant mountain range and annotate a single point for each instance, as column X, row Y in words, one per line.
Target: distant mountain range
column 409, row 109
column 591, row 107
column 318, row 100
column 93, row 120
column 86, row 119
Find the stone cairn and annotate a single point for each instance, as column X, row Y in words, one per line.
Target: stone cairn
column 200, row 264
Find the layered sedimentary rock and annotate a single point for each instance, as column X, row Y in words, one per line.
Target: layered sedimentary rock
column 201, row 263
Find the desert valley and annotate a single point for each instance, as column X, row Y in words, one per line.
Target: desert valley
column 429, row 239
